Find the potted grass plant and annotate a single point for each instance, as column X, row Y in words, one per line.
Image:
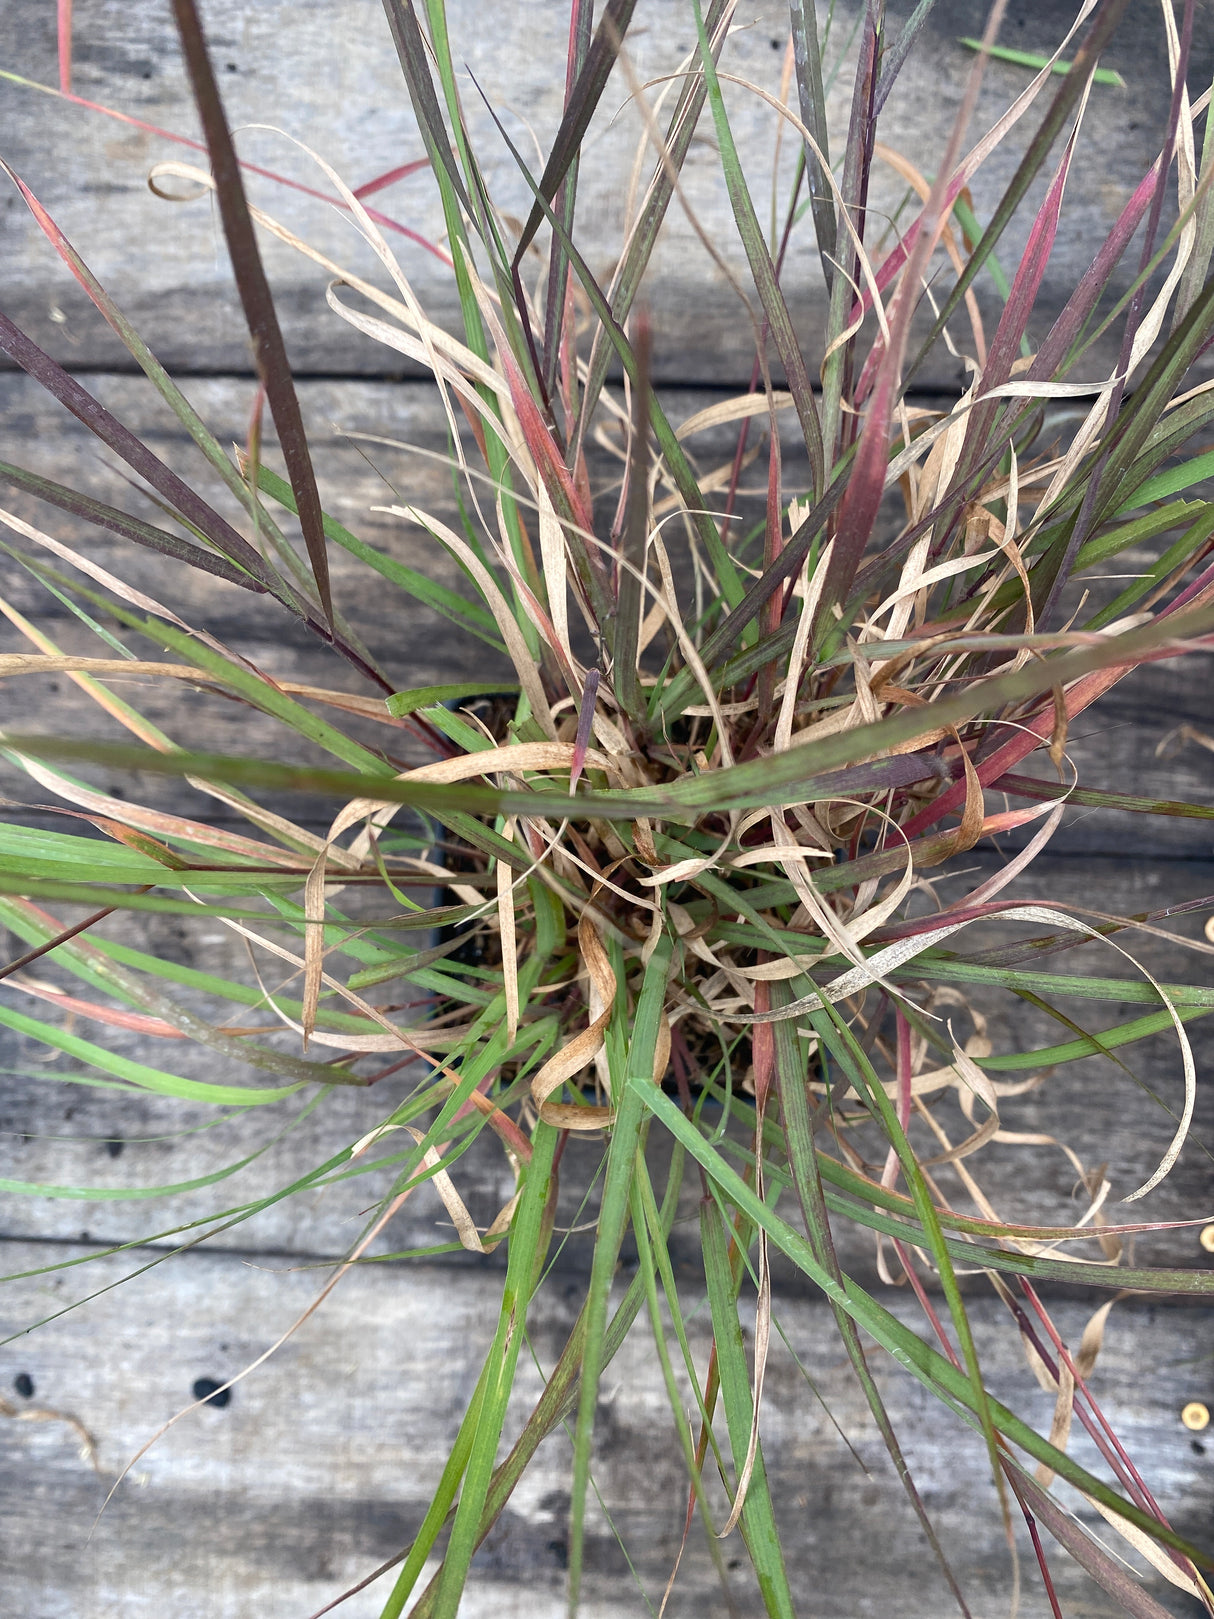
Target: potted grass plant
column 664, row 892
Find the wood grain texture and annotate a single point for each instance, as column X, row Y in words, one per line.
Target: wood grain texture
column 318, row 1468
column 1114, row 746
column 57, row 1133
column 324, row 72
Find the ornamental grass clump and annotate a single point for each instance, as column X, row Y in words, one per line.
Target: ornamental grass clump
column 682, row 881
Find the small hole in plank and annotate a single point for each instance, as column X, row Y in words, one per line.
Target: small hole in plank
column 206, row 1388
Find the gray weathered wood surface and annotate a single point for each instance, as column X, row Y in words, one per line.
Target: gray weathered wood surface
column 1113, row 746
column 318, row 1468
column 324, row 72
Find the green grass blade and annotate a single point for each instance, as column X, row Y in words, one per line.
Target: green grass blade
column 642, row 1211
column 402, row 703
column 762, row 269
column 521, row 1275
column 1004, row 53
column 658, row 1245
column 791, row 1081
column 118, row 438
column 440, row 1502
column 924, row 1363
column 782, row 778
column 680, row 132
column 1101, row 31
column 880, row 1209
column 1091, row 797
column 560, row 1392
column 267, row 697
column 894, row 55
column 625, row 631
column 134, row 344
column 466, row 614
column 130, row 1194
column 583, row 102
column 1171, row 482
column 613, row 1215
column 758, row 1517
column 808, row 60
column 155, row 1079
column 133, row 528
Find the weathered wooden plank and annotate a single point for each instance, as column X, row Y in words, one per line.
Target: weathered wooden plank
column 56, row 1133
column 415, row 645
column 1117, row 752
column 318, row 1468
column 327, row 74
column 1114, row 747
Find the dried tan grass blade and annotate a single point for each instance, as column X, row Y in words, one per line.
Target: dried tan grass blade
column 581, row 1051
column 509, row 939
column 503, row 616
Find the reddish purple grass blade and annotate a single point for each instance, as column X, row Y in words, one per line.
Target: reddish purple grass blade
column 581, row 22
column 1112, row 1576
column 1094, row 280
column 585, row 721
column 1013, row 322
column 581, row 103
column 251, row 168
column 131, row 528
column 269, row 350
column 123, row 442
column 382, row 181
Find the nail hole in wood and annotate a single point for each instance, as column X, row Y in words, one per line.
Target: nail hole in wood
column 206, row 1388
